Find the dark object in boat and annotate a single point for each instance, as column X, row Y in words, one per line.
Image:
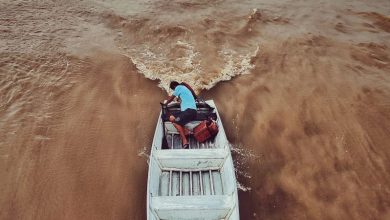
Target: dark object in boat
column 164, row 142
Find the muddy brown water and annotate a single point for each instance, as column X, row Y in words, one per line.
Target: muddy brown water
column 303, row 88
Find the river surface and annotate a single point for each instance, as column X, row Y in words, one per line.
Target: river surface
column 303, row 89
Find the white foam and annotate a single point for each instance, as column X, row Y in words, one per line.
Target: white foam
column 242, row 187
column 143, row 153
column 243, row 155
column 235, row 65
column 157, row 65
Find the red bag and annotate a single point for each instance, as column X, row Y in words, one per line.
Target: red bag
column 205, row 131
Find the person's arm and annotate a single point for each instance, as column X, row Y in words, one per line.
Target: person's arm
column 176, row 93
column 170, row 99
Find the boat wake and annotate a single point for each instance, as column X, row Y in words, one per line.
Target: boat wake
column 242, row 157
column 144, row 154
column 188, row 68
column 199, row 53
column 243, row 188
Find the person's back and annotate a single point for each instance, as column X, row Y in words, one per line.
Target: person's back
column 192, row 91
column 186, row 97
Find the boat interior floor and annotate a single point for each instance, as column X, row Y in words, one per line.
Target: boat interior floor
column 174, row 142
column 190, row 183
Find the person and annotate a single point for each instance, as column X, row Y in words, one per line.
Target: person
column 191, row 90
column 187, row 108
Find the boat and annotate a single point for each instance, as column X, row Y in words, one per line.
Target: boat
column 194, row 183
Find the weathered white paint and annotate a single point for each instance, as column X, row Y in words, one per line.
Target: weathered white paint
column 155, row 173
column 191, row 158
column 193, row 207
column 158, row 135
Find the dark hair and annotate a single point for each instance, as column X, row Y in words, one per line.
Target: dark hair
column 173, row 85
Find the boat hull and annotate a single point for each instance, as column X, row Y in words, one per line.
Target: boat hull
column 195, row 183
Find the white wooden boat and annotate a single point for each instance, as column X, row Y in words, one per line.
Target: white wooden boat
column 194, row 183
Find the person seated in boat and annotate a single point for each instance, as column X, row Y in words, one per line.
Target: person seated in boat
column 187, row 108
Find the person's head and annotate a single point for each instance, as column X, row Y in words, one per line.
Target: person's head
column 173, row 85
